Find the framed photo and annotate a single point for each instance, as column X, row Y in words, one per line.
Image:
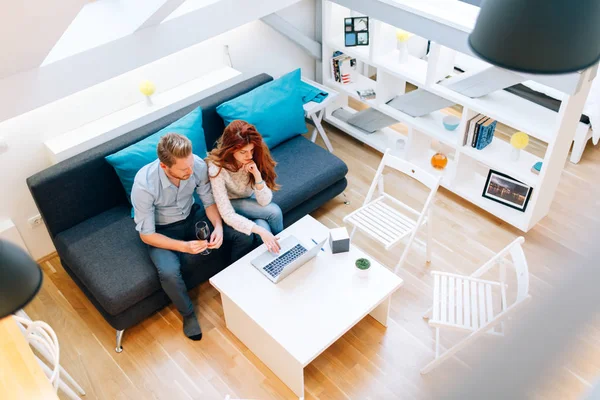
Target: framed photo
column 362, row 38
column 356, row 31
column 350, row 39
column 506, row 190
column 361, row 24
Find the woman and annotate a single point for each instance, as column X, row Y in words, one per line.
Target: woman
column 242, row 176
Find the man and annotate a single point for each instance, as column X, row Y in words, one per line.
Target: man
column 165, row 216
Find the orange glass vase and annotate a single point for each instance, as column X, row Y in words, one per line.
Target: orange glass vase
column 439, row 161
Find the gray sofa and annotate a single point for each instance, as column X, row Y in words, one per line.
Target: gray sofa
column 87, row 214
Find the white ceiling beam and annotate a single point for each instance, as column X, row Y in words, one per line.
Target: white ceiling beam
column 34, row 88
column 288, row 30
column 161, row 13
column 440, row 27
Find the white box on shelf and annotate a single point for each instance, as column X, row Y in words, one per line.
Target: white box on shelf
column 339, row 241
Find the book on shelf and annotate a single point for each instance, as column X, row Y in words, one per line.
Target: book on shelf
column 343, row 67
column 479, row 132
column 334, row 69
column 486, row 134
column 468, row 139
column 478, row 125
column 366, row 94
column 469, row 129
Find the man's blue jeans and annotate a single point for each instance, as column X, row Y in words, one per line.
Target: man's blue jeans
column 269, row 216
column 169, row 262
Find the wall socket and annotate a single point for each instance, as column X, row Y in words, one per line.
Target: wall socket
column 36, row 220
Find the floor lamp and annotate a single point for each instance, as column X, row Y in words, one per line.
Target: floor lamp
column 20, row 278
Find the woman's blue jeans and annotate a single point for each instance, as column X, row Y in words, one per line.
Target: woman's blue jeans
column 269, row 216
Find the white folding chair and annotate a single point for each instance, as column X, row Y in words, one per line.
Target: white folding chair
column 466, row 303
column 381, row 218
column 43, row 339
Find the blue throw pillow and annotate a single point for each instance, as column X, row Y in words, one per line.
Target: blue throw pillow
column 130, row 160
column 275, row 108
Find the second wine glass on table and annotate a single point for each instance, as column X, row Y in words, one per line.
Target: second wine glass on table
column 203, row 233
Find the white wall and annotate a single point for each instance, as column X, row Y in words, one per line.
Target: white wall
column 254, row 48
column 10, row 233
column 301, row 16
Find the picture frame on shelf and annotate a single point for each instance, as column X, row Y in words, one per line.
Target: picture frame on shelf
column 356, row 31
column 506, row 190
column 350, row 39
column 361, row 24
column 362, row 38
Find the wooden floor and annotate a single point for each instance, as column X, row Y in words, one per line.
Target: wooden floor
column 369, row 362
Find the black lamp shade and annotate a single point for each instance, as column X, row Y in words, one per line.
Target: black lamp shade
column 538, row 36
column 20, row 278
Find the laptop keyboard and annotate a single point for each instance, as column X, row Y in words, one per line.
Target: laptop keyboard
column 275, row 267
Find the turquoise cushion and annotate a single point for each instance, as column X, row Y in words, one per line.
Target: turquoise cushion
column 275, row 108
column 130, row 160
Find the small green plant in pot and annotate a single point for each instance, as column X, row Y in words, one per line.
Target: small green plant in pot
column 362, row 266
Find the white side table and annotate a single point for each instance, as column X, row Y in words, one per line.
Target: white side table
column 315, row 112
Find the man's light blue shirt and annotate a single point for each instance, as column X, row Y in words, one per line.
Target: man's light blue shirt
column 157, row 201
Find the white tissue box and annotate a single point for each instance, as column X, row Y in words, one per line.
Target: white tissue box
column 339, row 241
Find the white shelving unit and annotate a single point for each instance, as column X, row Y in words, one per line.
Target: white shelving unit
column 467, row 169
column 537, row 121
column 360, row 82
column 413, row 71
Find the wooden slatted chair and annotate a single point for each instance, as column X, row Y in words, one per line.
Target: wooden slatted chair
column 466, row 303
column 387, row 219
column 43, row 339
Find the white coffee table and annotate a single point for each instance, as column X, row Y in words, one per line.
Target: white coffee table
column 287, row 325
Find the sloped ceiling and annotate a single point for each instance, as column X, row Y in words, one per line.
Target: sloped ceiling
column 30, row 28
column 35, row 84
column 103, row 21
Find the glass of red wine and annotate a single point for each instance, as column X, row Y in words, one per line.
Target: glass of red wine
column 203, row 233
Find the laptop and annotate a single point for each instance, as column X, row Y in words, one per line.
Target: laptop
column 479, row 83
column 293, row 254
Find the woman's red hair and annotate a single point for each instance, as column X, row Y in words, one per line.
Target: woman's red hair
column 235, row 136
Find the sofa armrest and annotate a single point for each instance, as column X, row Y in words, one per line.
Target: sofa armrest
column 74, row 190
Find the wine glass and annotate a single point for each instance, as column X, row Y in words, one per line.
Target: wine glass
column 203, row 233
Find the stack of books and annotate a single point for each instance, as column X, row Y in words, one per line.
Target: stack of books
column 342, row 67
column 479, row 132
column 366, row 94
